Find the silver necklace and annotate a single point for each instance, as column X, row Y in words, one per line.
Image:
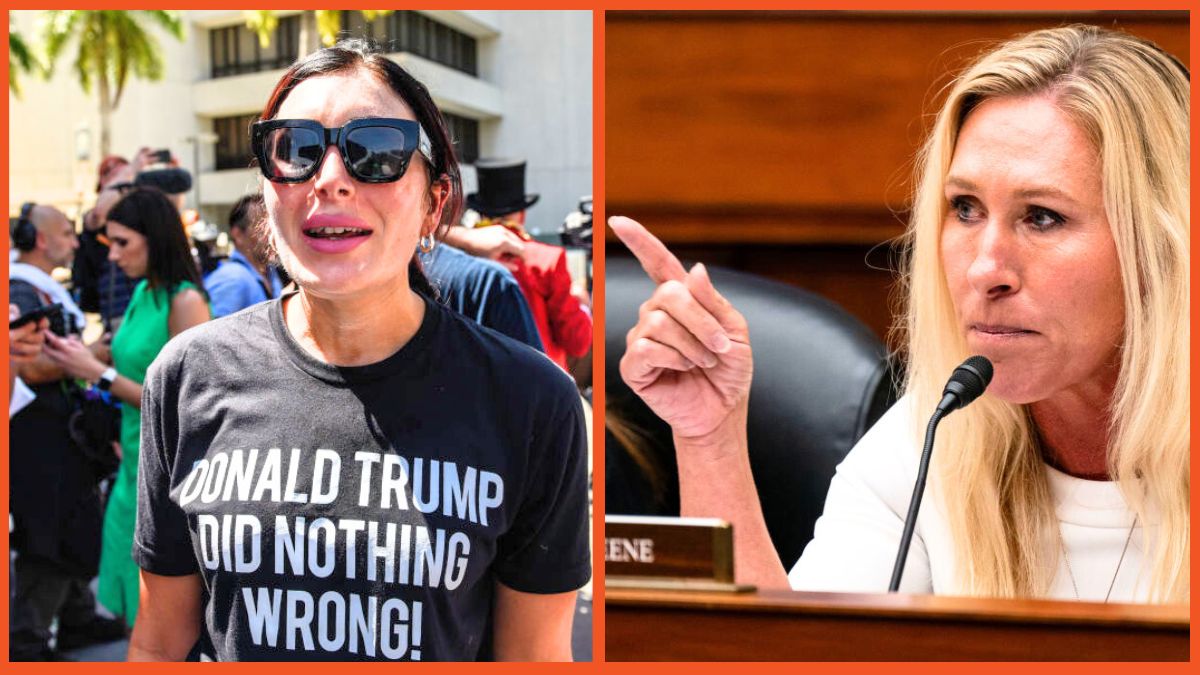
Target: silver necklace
column 1111, row 584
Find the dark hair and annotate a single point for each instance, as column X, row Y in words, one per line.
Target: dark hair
column 150, row 213
column 355, row 54
column 243, row 209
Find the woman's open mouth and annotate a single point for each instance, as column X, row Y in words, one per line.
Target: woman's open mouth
column 336, row 232
column 331, row 233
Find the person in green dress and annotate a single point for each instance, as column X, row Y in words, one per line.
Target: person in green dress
column 147, row 241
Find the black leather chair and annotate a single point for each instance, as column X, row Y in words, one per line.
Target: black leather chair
column 821, row 379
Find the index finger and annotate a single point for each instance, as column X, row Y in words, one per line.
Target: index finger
column 660, row 264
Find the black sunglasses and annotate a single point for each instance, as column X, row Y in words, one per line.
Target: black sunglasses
column 374, row 149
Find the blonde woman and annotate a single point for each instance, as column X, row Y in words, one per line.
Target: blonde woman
column 1050, row 232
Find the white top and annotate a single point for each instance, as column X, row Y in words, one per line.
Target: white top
column 21, row 396
column 856, row 538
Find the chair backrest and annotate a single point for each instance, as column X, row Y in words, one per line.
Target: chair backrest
column 821, row 379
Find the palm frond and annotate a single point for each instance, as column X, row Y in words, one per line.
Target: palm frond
column 21, row 60
column 84, row 70
column 263, row 22
column 372, row 14
column 329, row 22
column 21, row 54
column 169, row 20
column 58, row 27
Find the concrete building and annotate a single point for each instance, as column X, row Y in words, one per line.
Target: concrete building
column 513, row 83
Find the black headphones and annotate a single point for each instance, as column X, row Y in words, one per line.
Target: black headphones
column 24, row 234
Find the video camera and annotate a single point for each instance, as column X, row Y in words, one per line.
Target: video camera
column 62, row 324
column 577, row 228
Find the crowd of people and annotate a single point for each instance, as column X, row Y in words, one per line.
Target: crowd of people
column 98, row 429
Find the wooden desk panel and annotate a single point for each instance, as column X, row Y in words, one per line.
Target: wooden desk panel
column 764, row 141
column 791, row 127
column 786, row 626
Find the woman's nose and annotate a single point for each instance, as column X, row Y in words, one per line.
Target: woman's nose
column 332, row 179
column 995, row 269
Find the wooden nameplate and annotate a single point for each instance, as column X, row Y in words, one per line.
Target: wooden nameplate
column 669, row 553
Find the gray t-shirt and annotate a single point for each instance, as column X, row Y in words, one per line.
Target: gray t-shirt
column 341, row 513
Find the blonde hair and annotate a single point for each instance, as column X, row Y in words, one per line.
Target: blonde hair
column 1132, row 101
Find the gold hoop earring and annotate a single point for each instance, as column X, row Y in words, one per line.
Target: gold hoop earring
column 426, row 243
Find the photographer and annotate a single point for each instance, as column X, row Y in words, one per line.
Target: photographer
column 102, row 286
column 160, row 169
column 55, row 503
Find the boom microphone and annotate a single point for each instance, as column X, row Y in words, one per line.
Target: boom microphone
column 966, row 383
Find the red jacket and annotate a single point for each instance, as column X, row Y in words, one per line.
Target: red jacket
column 563, row 324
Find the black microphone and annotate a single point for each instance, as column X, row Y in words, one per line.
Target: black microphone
column 966, row 383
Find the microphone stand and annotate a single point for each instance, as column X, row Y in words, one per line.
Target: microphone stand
column 914, row 505
column 967, row 382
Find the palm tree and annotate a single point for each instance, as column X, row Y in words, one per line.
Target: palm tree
column 21, row 59
column 112, row 45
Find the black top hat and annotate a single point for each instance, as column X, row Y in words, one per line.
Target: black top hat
column 501, row 188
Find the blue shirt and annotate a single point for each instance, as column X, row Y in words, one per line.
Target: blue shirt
column 482, row 290
column 235, row 285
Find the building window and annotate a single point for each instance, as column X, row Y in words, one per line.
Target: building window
column 464, row 133
column 415, row 33
column 233, row 146
column 235, row 49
